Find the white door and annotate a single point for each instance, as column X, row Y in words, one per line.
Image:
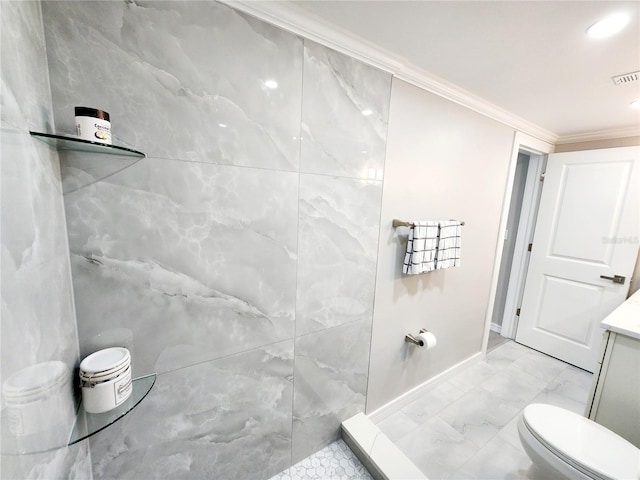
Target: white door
column 588, row 226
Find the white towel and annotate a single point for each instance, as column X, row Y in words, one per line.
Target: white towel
column 421, row 248
column 449, row 244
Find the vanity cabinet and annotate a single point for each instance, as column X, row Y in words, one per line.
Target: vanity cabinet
column 614, row 399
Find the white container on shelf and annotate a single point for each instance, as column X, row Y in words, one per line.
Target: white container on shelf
column 105, row 378
column 93, row 124
column 39, row 398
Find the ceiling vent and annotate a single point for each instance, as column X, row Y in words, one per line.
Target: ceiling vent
column 626, row 78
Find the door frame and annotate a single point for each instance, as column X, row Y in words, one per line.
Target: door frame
column 524, row 237
column 535, row 148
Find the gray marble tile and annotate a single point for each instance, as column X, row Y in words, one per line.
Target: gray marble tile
column 514, row 386
column 498, row 460
column 479, row 415
column 577, row 376
column 509, row 433
column 345, row 109
column 182, row 80
column 229, row 418
column 569, row 390
column 505, row 355
column 436, row 448
column 473, row 376
column 540, row 365
column 38, row 321
column 397, row 425
column 180, row 254
column 72, row 463
column 433, row 402
column 330, row 383
column 25, row 102
column 338, row 235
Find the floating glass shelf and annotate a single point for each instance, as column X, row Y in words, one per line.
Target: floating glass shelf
column 62, row 142
column 86, row 424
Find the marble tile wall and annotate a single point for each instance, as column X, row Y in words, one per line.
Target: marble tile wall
column 238, row 259
column 38, row 322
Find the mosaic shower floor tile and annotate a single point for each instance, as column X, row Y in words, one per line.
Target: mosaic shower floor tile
column 334, row 462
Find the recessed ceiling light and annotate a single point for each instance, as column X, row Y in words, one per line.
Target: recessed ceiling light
column 367, row 112
column 271, row 84
column 636, row 103
column 608, row 26
column 222, row 125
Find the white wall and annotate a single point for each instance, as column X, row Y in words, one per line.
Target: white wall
column 443, row 161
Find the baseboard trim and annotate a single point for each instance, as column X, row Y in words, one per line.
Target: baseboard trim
column 496, row 328
column 416, row 392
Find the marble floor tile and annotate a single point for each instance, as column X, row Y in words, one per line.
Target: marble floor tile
column 473, row 376
column 553, row 395
column 568, row 390
column 514, row 385
column 498, row 460
column 437, row 448
column 479, row 415
column 432, row 402
column 397, row 425
column 475, row 436
column 505, row 355
column 540, row 365
column 509, row 433
column 577, row 376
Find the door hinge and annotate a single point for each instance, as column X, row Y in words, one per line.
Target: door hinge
column 542, row 176
column 529, row 247
column 518, row 312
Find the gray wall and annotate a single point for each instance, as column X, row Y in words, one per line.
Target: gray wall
column 443, row 161
column 38, row 322
column 509, row 243
column 238, row 262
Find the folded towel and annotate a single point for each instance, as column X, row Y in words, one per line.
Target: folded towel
column 449, row 244
column 421, row 248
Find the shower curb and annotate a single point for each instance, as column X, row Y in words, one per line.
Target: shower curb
column 378, row 454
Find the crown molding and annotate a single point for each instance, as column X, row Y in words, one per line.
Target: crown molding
column 295, row 20
column 599, row 135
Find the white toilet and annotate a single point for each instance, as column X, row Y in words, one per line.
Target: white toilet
column 563, row 444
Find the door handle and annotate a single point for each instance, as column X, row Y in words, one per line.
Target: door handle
column 615, row 279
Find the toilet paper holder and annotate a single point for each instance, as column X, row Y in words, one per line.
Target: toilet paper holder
column 416, row 341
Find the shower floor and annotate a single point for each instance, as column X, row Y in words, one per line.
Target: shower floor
column 335, row 462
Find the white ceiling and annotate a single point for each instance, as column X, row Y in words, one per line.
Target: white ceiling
column 531, row 58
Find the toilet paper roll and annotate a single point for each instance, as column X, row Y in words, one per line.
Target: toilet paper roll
column 428, row 340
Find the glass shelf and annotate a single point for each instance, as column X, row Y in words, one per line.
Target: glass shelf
column 86, row 424
column 62, row 142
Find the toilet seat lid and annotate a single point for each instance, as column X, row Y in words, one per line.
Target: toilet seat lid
column 584, row 444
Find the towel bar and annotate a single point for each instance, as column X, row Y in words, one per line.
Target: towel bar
column 401, row 223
